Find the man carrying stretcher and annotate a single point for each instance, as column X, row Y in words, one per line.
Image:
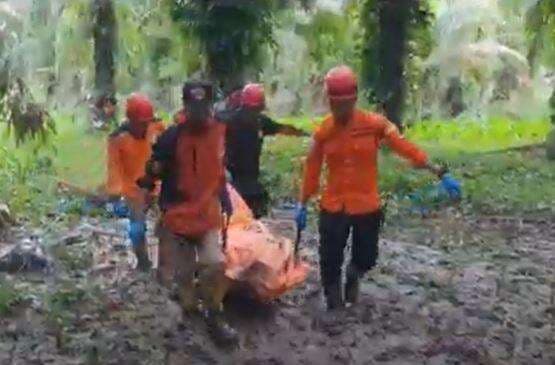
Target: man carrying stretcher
column 189, row 159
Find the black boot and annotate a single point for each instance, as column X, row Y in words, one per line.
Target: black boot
column 220, row 331
column 334, row 297
column 352, row 286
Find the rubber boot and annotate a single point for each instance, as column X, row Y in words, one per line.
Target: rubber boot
column 221, row 332
column 334, row 297
column 213, row 288
column 352, row 286
column 143, row 262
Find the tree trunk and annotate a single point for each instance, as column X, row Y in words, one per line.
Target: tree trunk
column 105, row 35
column 394, row 16
column 454, row 98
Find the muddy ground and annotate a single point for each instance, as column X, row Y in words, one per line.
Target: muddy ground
column 450, row 290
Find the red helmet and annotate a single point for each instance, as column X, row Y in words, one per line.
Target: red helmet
column 139, row 108
column 253, row 96
column 341, row 83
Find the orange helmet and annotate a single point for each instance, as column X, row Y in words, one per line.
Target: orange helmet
column 139, row 108
column 253, row 96
column 341, row 83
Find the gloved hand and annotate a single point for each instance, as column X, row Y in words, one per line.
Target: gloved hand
column 452, row 186
column 118, row 208
column 225, row 199
column 301, row 214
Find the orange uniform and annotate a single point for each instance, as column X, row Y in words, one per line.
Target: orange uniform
column 198, row 172
column 127, row 157
column 351, row 153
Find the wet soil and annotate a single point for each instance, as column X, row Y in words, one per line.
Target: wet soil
column 449, row 290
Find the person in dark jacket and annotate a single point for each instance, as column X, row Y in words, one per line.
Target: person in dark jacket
column 246, row 128
column 189, row 160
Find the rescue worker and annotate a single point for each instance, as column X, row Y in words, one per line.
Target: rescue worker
column 129, row 148
column 348, row 141
column 230, row 103
column 189, row 158
column 246, row 128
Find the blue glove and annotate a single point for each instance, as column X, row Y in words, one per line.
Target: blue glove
column 119, row 208
column 300, row 216
column 452, row 186
column 137, row 232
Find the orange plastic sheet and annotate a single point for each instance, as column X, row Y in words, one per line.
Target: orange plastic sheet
column 265, row 262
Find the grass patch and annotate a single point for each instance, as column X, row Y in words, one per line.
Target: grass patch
column 8, row 298
column 478, row 136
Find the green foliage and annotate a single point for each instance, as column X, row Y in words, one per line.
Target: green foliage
column 496, row 133
column 152, row 50
column 233, row 34
column 282, row 166
column 331, row 39
column 9, row 296
column 74, row 50
column 74, row 258
column 86, row 170
column 419, row 46
column 540, row 24
column 26, row 119
column 61, row 307
column 26, row 182
column 509, row 183
column 369, row 23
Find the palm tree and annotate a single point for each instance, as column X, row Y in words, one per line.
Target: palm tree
column 387, row 29
column 233, row 33
column 104, row 35
column 394, row 17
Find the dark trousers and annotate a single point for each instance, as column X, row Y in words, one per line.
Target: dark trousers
column 334, row 233
column 253, row 193
column 258, row 204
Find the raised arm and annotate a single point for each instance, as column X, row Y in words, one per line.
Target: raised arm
column 271, row 127
column 401, row 146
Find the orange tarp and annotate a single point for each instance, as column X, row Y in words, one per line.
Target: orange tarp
column 263, row 261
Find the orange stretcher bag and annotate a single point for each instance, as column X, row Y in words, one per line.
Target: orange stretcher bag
column 257, row 259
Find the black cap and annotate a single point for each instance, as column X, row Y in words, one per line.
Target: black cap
column 198, row 91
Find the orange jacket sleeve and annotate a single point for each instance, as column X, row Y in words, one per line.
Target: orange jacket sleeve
column 114, row 185
column 401, row 146
column 313, row 167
